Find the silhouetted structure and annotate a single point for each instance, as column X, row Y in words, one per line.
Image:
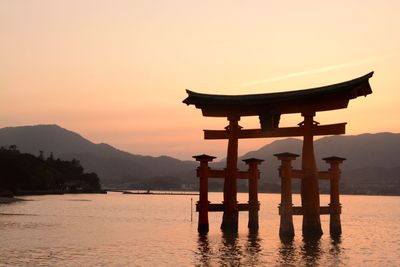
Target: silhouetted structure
column 204, row 206
column 286, row 208
column 269, row 107
column 335, row 227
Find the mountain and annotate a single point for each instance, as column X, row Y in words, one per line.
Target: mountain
column 372, row 165
column 361, row 151
column 114, row 167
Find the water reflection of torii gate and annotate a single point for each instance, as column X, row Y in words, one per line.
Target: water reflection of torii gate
column 269, row 107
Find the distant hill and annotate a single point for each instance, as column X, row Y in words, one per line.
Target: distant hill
column 361, row 151
column 372, row 165
column 114, row 167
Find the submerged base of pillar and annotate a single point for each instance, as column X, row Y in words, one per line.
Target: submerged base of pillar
column 286, row 229
column 254, row 207
column 253, row 221
column 230, row 222
column 335, row 227
column 203, row 228
column 312, row 227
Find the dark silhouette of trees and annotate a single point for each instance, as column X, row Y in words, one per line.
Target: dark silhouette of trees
column 26, row 172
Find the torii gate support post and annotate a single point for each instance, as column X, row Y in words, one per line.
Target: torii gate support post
column 254, row 204
column 286, row 229
column 309, row 183
column 231, row 214
column 335, row 227
column 203, row 174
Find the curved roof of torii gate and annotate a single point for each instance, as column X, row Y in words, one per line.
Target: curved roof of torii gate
column 270, row 105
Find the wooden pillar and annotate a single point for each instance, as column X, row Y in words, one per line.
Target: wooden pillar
column 335, row 226
column 254, row 204
column 309, row 183
column 231, row 213
column 203, row 174
column 286, row 229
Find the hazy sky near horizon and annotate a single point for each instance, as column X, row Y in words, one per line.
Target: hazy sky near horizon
column 116, row 71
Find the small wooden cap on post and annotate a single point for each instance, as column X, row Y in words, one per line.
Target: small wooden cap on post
column 253, row 160
column 204, row 157
column 334, row 159
column 286, row 156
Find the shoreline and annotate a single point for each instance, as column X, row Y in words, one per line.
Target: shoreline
column 179, row 192
column 148, row 192
column 51, row 192
column 8, row 200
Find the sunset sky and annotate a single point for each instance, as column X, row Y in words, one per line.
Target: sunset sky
column 116, row 71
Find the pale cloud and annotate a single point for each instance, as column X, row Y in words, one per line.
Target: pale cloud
column 313, row 71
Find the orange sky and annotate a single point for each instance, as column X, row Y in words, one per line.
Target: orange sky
column 116, row 71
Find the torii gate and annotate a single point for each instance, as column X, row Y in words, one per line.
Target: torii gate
column 269, row 107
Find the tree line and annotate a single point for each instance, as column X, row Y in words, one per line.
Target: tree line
column 26, row 172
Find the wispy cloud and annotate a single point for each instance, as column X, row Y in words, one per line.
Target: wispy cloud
column 313, row 71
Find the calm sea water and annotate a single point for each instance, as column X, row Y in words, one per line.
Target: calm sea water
column 154, row 230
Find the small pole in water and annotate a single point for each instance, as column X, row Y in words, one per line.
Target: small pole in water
column 191, row 209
